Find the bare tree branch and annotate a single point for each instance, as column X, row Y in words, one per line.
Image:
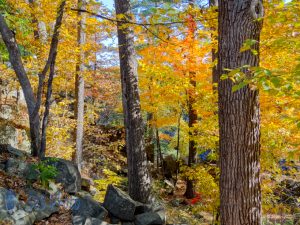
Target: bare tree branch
column 53, row 49
column 131, row 22
column 47, row 106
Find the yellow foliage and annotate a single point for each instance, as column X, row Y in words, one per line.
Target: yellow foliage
column 205, row 185
column 110, row 178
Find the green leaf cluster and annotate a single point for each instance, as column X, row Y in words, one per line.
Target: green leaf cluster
column 46, row 173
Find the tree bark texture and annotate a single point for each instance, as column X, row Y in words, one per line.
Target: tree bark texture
column 79, row 85
column 149, row 140
column 177, row 146
column 16, row 62
column 190, row 188
column 138, row 175
column 47, row 108
column 239, row 115
column 160, row 158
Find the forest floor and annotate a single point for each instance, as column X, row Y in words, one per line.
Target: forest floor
column 18, row 185
column 105, row 163
column 106, row 159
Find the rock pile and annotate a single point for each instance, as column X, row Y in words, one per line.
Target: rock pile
column 118, row 207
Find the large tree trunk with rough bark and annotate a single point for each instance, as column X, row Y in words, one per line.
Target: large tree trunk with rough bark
column 239, row 115
column 138, row 175
column 79, row 85
column 190, row 189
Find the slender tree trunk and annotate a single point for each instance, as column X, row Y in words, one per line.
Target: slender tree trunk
column 149, row 143
column 190, row 189
column 177, row 147
column 47, row 108
column 39, row 31
column 34, row 123
column 159, row 153
column 35, row 22
column 239, row 115
column 79, row 85
column 138, row 175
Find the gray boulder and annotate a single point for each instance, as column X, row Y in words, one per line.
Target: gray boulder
column 119, row 204
column 13, row 152
column 5, row 218
column 114, row 220
column 154, row 206
column 68, row 174
column 19, row 167
column 40, row 205
column 31, row 173
column 142, row 208
column 11, row 211
column 8, row 200
column 2, row 165
column 16, row 167
column 87, row 207
column 151, row 218
column 82, row 220
column 2, row 198
column 21, row 217
column 127, row 223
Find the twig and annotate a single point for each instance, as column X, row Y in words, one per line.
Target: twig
column 131, row 22
column 155, row 35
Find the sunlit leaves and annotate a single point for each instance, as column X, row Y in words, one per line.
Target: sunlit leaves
column 248, row 45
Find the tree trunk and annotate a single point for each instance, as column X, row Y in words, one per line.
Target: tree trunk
column 239, row 115
column 160, row 158
column 39, row 31
column 34, row 123
column 149, row 140
column 35, row 22
column 79, row 85
column 138, row 175
column 177, row 147
column 214, row 54
column 16, row 61
column 190, row 189
column 47, row 108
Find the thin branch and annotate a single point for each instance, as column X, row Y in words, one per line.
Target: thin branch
column 47, row 107
column 131, row 22
column 51, row 56
column 155, row 35
column 54, row 42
